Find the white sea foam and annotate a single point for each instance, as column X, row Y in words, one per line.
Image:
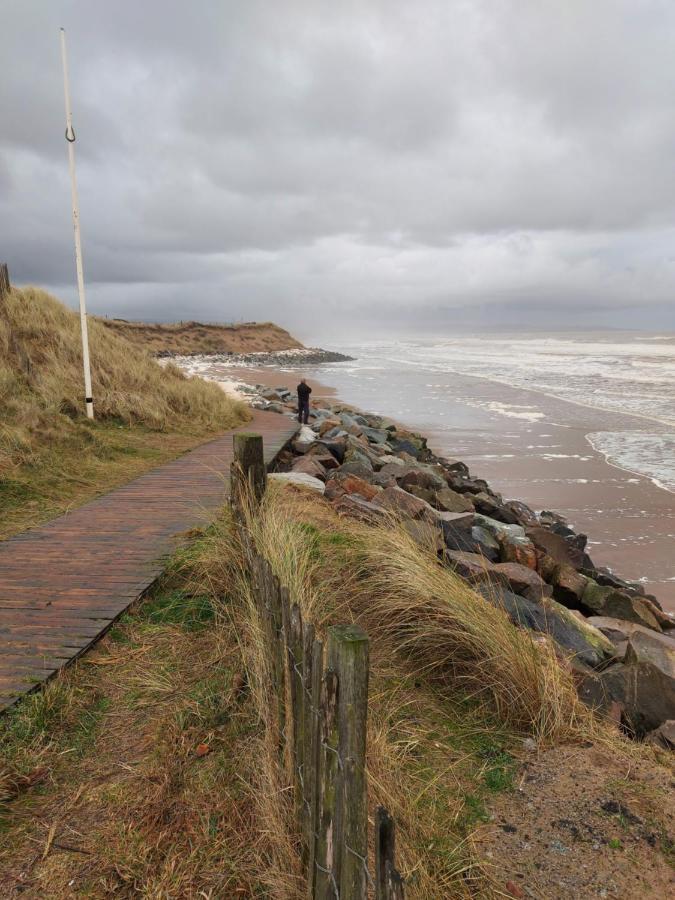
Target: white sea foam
column 639, row 452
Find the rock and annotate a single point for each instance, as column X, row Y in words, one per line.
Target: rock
column 319, row 452
column 518, row 552
column 465, row 485
column 606, row 601
column 644, row 686
column 327, row 425
column 663, row 736
column 522, row 513
column 560, row 549
column 309, row 465
column 487, row 543
column 428, row 536
column 501, row 529
column 375, row 435
column 357, row 508
column 423, row 493
column 471, row 566
column 388, row 459
column 586, row 644
column 403, row 504
column 340, row 483
column 362, row 468
column 275, row 408
column 620, row 630
column 455, row 466
column 568, row 586
column 546, row 566
column 450, row 501
column 421, row 477
column 523, row 580
column 656, row 649
column 300, row 480
column 335, row 446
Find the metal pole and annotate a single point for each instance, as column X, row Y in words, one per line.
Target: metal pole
column 70, row 138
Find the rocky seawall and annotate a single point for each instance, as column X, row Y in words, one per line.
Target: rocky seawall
column 615, row 637
column 299, row 356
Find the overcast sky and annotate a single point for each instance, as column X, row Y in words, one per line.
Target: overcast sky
column 333, row 165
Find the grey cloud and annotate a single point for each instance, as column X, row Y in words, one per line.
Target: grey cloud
column 373, row 160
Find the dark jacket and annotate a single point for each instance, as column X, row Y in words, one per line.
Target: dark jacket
column 304, row 390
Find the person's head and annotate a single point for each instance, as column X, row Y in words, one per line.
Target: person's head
column 303, row 381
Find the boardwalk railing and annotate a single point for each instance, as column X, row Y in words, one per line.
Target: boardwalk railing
column 318, row 709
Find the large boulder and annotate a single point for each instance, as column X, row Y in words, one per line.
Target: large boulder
column 473, row 567
column 309, row 465
column 607, row 601
column 356, row 507
column 340, row 483
column 376, row 435
column 558, row 547
column 620, row 631
column 584, row 643
column 421, row 477
column 450, row 501
column 643, row 687
column 321, row 453
column 336, row 446
column 299, row 479
column 568, row 585
column 487, row 543
column 502, row 530
column 518, row 552
column 428, row 536
column 523, row 580
column 403, row 504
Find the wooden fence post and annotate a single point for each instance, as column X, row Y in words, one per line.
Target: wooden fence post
column 325, row 881
column 298, row 706
column 388, row 882
column 247, row 469
column 5, row 286
column 307, row 646
column 289, row 749
column 348, row 656
column 315, row 784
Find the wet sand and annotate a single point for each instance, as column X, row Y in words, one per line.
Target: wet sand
column 543, row 459
column 546, row 462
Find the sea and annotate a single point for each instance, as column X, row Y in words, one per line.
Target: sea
column 580, row 423
column 630, row 375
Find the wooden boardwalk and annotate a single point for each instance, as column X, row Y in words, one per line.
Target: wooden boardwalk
column 63, row 584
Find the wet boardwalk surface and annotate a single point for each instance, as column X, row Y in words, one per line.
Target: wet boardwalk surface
column 64, row 583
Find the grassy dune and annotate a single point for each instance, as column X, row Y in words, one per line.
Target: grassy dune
column 197, row 337
column 51, row 456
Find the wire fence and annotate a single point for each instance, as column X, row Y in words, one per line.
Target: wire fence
column 318, row 710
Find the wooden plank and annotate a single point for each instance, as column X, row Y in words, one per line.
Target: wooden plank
column 64, row 583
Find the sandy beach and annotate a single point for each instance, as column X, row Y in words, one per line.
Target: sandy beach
column 533, row 448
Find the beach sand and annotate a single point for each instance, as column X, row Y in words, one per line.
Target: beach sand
column 531, row 447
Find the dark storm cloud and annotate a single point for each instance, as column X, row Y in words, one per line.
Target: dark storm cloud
column 385, row 161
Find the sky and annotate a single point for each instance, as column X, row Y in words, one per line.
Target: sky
column 343, row 167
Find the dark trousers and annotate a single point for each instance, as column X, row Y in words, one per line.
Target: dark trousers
column 303, row 411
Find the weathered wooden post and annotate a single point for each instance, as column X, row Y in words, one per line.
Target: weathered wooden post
column 298, row 707
column 307, row 646
column 5, row 286
column 325, row 877
column 388, row 882
column 315, row 784
column 348, row 657
column 248, row 471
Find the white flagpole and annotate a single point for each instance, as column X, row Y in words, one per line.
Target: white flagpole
column 70, row 137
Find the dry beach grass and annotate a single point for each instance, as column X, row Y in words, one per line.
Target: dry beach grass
column 51, row 456
column 147, row 769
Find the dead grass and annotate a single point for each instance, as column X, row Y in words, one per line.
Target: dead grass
column 148, row 769
column 51, row 456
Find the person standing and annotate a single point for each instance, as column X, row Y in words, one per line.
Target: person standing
column 304, row 390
